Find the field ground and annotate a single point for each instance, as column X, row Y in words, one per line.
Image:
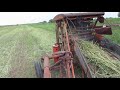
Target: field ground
column 20, row 46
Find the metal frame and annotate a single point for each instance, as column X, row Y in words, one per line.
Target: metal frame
column 67, row 45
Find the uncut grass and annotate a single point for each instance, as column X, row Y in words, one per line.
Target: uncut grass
column 115, row 37
column 115, row 29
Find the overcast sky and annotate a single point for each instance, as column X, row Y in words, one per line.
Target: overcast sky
column 11, row 18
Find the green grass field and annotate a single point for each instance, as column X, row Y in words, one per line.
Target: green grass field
column 115, row 37
column 21, row 45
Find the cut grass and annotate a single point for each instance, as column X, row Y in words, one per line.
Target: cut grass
column 103, row 66
column 20, row 47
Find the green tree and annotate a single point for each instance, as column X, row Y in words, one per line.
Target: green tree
column 51, row 21
column 44, row 21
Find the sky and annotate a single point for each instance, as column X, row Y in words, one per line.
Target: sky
column 12, row 18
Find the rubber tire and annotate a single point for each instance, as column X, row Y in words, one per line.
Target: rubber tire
column 39, row 70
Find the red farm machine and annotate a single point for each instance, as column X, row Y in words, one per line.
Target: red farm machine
column 69, row 29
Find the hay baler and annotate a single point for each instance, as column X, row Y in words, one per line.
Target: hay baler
column 70, row 28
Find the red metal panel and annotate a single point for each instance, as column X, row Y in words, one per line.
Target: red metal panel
column 55, row 49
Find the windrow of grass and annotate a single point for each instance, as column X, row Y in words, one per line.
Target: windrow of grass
column 20, row 47
column 101, row 63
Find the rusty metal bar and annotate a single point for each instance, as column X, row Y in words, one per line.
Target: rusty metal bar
column 72, row 68
column 66, row 33
column 68, row 69
column 61, row 75
column 62, row 16
column 47, row 73
column 68, row 46
column 83, row 62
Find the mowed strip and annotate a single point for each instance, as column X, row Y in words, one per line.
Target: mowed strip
column 7, row 43
column 27, row 44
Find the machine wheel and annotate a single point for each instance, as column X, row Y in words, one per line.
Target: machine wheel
column 39, row 70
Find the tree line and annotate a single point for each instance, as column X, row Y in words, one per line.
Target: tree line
column 50, row 21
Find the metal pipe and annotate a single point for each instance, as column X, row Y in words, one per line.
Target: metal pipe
column 47, row 73
column 68, row 69
column 72, row 68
